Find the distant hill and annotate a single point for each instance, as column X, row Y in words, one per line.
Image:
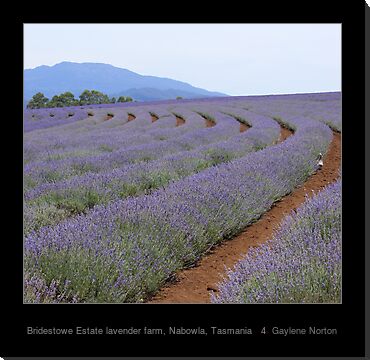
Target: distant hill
column 151, row 94
column 111, row 80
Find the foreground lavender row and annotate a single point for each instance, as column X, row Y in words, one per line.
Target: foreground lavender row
column 124, row 251
column 301, row 264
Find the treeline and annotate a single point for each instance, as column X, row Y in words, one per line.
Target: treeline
column 87, row 97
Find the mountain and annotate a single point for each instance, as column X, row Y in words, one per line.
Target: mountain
column 151, row 94
column 111, row 80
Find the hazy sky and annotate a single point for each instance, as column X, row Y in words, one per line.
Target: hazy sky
column 236, row 59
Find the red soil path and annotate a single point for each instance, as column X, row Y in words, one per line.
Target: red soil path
column 243, row 127
column 179, row 121
column 284, row 134
column 209, row 123
column 131, row 117
column 154, row 118
column 195, row 284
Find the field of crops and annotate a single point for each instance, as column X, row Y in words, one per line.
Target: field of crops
column 117, row 198
column 301, row 264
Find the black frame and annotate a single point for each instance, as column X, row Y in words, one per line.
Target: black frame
column 347, row 317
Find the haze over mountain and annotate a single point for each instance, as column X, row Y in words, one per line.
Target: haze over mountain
column 111, row 80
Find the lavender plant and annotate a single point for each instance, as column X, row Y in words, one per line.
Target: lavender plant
column 79, row 193
column 300, row 264
column 58, row 163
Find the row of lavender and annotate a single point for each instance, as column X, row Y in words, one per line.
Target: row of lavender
column 301, row 264
column 36, row 119
column 45, row 149
column 95, row 136
column 125, row 250
column 89, row 146
column 326, row 106
column 51, row 202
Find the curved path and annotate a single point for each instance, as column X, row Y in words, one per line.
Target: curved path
column 154, row 117
column 179, row 121
column 243, row 127
column 208, row 122
column 193, row 285
column 130, row 117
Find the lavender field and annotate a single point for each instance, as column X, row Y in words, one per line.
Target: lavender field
column 118, row 197
column 301, row 264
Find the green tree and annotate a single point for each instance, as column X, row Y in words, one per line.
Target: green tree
column 124, row 99
column 113, row 100
column 68, row 99
column 55, row 101
column 88, row 97
column 99, row 97
column 38, row 101
column 64, row 99
column 178, row 97
column 85, row 97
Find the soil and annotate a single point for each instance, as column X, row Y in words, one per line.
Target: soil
column 209, row 123
column 284, row 134
column 154, row 118
column 194, row 285
column 131, row 117
column 179, row 121
column 244, row 127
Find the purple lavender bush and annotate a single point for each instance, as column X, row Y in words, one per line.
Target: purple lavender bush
column 51, row 202
column 300, row 264
column 36, row 119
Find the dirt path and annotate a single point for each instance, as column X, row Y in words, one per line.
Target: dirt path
column 209, row 123
column 243, row 127
column 284, row 134
column 179, row 121
column 194, row 285
column 154, row 117
column 131, row 117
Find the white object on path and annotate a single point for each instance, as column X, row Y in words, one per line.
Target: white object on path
column 320, row 163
